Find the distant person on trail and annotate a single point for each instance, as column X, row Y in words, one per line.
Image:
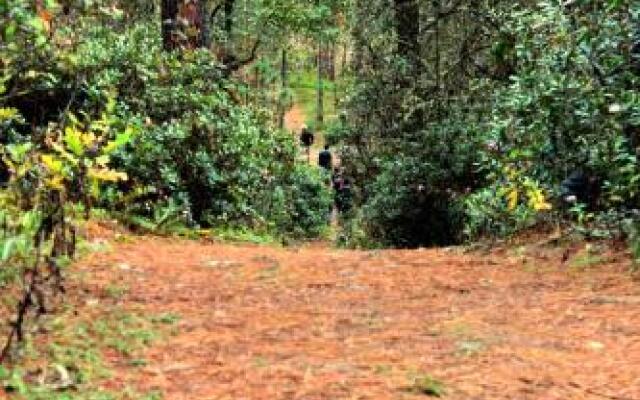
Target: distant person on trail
column 342, row 191
column 336, row 183
column 336, row 179
column 325, row 159
column 345, row 196
column 306, row 137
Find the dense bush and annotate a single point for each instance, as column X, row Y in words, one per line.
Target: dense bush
column 198, row 152
column 508, row 99
column 569, row 105
column 408, row 212
column 301, row 205
column 220, row 160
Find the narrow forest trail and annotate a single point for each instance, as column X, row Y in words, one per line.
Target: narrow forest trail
column 294, row 120
column 259, row 322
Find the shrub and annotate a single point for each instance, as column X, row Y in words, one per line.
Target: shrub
column 302, row 203
column 409, row 207
column 212, row 159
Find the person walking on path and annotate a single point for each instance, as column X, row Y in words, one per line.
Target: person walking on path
column 344, row 197
column 306, row 139
column 325, row 159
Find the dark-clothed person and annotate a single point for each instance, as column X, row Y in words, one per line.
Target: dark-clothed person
column 325, row 159
column 306, row 137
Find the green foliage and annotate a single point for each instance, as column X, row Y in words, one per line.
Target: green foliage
column 354, row 233
column 563, row 109
column 38, row 210
column 487, row 214
column 488, row 132
column 201, row 158
column 198, row 158
column 72, row 366
column 406, row 213
column 303, row 204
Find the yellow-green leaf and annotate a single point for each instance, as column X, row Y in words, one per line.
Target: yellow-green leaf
column 106, row 175
column 537, row 201
column 56, row 182
column 8, row 114
column 52, row 163
column 120, row 140
column 512, row 199
column 73, row 140
column 102, row 161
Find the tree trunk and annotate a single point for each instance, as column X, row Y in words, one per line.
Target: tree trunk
column 195, row 16
column 332, row 62
column 204, row 39
column 169, row 15
column 408, row 29
column 228, row 17
column 334, row 74
column 320, row 105
column 408, row 47
column 283, row 77
column 438, row 59
column 343, row 67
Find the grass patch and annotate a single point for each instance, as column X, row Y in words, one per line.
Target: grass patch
column 304, row 87
column 470, row 347
column 116, row 291
column 269, row 273
column 260, row 362
column 67, row 363
column 166, row 319
column 591, row 256
column 383, row 369
column 242, row 235
column 427, row 385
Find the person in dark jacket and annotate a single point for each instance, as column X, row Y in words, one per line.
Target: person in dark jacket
column 344, row 196
column 306, row 137
column 325, row 159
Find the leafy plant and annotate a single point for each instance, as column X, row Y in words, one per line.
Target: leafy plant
column 38, row 209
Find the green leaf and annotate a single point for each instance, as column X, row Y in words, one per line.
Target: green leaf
column 120, row 140
column 73, row 140
column 7, row 249
column 10, row 31
column 36, row 23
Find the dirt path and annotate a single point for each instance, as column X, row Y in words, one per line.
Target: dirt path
column 315, row 323
column 294, row 119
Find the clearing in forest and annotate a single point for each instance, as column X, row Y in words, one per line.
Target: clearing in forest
column 260, row 322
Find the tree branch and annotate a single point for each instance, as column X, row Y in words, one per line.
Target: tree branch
column 214, row 13
column 232, row 63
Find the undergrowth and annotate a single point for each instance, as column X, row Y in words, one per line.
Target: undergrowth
column 63, row 357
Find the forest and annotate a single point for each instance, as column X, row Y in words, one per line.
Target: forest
column 319, row 199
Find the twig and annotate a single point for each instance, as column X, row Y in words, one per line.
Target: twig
column 25, row 303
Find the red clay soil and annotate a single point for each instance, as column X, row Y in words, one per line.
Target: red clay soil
column 317, row 323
